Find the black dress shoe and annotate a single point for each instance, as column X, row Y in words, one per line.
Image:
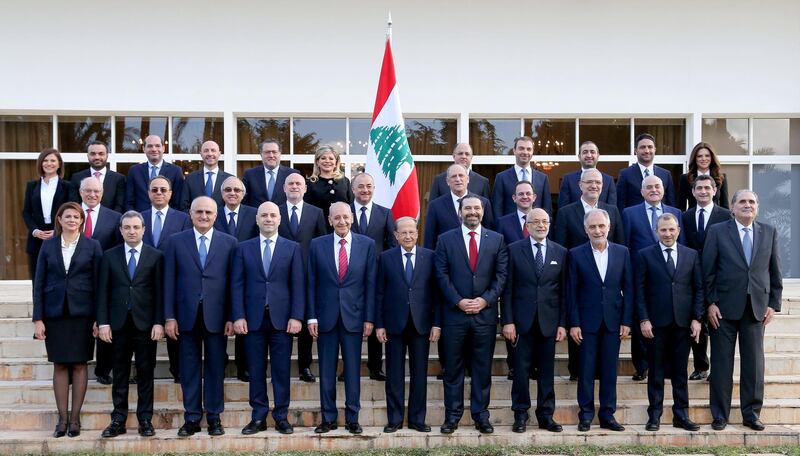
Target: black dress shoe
column 533, row 374
column 243, row 377
column 584, row 426
column 652, row 425
column 755, row 425
column 307, row 376
column 61, row 429
column 146, row 428
column 510, row 375
column 484, row 427
column 448, row 427
column 718, row 424
column 353, row 428
column 439, row 376
column 519, row 424
column 133, row 380
column 340, row 378
column 215, row 428
column 612, row 425
column 176, row 379
column 573, row 378
column 389, row 428
column 419, row 427
column 687, row 424
column 104, row 379
column 189, row 428
column 74, row 429
column 114, row 429
column 325, row 427
column 254, row 426
column 284, row 427
column 698, row 375
column 550, row 425
column 377, row 375
column 639, row 376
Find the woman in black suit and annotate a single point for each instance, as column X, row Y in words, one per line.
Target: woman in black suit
column 327, row 184
column 43, row 197
column 64, row 310
column 703, row 160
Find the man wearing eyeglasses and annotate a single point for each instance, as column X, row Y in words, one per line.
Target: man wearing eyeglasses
column 206, row 181
column 534, row 318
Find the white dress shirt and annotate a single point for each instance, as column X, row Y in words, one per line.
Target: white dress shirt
column 348, row 243
column 456, row 198
column 102, row 176
column 601, row 260
column 740, row 229
column 465, row 234
column 648, row 168
column 47, row 192
column 706, row 214
column 95, row 214
column 586, row 206
column 358, row 207
column 214, row 172
column 518, row 169
column 136, row 256
column 544, row 247
column 67, row 250
column 522, row 219
column 673, row 254
column 228, row 211
column 208, row 236
column 163, row 216
column 273, row 239
column 158, row 166
column 413, row 258
column 299, row 211
column 649, row 213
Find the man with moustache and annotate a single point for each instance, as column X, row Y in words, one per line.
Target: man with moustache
column 505, row 181
column 139, row 176
column 113, row 182
column 462, row 155
column 570, row 191
column 206, row 181
column 630, row 179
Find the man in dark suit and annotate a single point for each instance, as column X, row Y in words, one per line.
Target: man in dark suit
column 265, row 183
column 139, row 176
column 206, row 181
column 505, row 181
column 130, row 317
column 268, row 303
column 570, row 191
column 669, row 301
column 113, row 182
column 442, row 213
column 196, row 310
column 377, row 223
column 630, row 179
column 462, row 155
column 534, row 318
column 160, row 223
column 471, row 266
column 342, row 274
column 301, row 222
column 695, row 222
column 743, row 283
column 600, row 291
column 407, row 319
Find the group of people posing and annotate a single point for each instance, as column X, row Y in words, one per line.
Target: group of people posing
column 273, row 256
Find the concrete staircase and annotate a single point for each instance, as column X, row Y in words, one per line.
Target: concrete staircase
column 27, row 409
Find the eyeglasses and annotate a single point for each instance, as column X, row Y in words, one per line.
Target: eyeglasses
column 538, row 222
column 232, row 190
column 159, row 190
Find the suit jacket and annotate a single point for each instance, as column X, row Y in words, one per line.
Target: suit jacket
column 195, row 185
column 397, row 298
column 113, row 188
column 106, row 227
column 689, row 225
column 570, row 190
column 506, row 181
column 255, row 182
column 638, row 231
column 569, row 230
column 442, row 217
column 32, row 209
column 510, row 227
column 187, row 285
column 354, row 298
column 137, row 186
column 144, row 294
column 175, row 221
column 311, row 225
column 53, row 284
column 665, row 300
column 593, row 302
column 457, row 280
column 478, row 185
column 246, row 227
column 528, row 297
column 687, row 200
column 380, row 227
column 629, row 186
column 728, row 278
column 283, row 290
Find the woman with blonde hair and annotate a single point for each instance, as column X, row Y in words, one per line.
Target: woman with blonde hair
column 327, row 184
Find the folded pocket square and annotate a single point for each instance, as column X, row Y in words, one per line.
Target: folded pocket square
column 554, row 262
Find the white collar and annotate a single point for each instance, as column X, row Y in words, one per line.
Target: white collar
column 163, row 211
column 413, row 251
column 208, row 234
column 138, row 248
column 228, row 211
column 95, row 209
column 465, row 231
column 708, row 208
column 348, row 238
column 359, row 206
column 273, row 238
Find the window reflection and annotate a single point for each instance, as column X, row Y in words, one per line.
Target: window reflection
column 75, row 133
column 251, row 131
column 670, row 134
column 776, row 136
column 728, row 136
column 552, row 136
column 431, row 136
column 359, row 136
column 774, row 185
column 493, row 136
column 309, row 134
column 612, row 136
column 25, row 133
column 131, row 132
column 189, row 133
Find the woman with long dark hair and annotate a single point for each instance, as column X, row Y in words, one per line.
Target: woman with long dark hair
column 702, row 160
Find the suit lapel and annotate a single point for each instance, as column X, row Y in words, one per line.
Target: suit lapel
column 193, row 248
column 278, row 253
column 60, row 255
column 659, row 255
column 143, row 258
column 527, row 252
column 75, row 254
column 733, row 234
column 332, row 259
column 590, row 257
column 758, row 232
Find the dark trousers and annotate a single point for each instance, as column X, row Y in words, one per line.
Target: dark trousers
column 174, row 358
column 534, row 351
column 328, row 345
column 276, row 344
column 669, row 357
column 203, row 358
column 374, row 353
column 104, row 358
column 125, row 343
column 599, row 353
column 418, row 347
column 751, row 355
column 478, row 341
column 304, row 345
column 700, row 349
column 574, row 353
column 638, row 350
column 240, row 354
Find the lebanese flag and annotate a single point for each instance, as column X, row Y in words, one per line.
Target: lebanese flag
column 389, row 159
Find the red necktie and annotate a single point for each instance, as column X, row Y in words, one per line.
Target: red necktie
column 87, row 227
column 473, row 251
column 525, row 226
column 342, row 260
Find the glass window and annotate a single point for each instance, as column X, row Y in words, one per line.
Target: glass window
column 309, row 134
column 737, row 177
column 493, row 136
column 189, row 133
column 552, row 136
column 670, row 134
column 75, row 133
column 250, row 132
column 431, row 136
column 359, row 136
column 775, row 185
column 612, row 136
column 131, row 132
column 14, row 174
column 728, row 136
column 25, row 133
column 776, row 136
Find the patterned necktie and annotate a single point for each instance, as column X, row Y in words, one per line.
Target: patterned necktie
column 294, row 224
column 473, row 251
column 539, row 260
column 270, row 184
column 97, row 174
column 747, row 245
column 157, row 228
column 525, row 175
column 232, row 223
column 342, row 260
column 267, row 257
column 646, row 172
column 409, row 268
column 87, row 226
column 524, row 227
column 654, row 218
column 670, row 263
column 701, row 225
column 209, row 183
column 362, row 221
column 203, row 251
column 153, row 171
column 132, row 264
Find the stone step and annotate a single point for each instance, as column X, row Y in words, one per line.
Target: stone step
column 373, row 438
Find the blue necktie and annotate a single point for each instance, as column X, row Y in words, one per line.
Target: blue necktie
column 701, row 226
column 747, row 245
column 270, row 184
column 232, row 224
column 653, row 218
column 539, row 260
column 157, row 228
column 132, row 264
column 203, row 251
column 153, row 171
column 362, row 221
column 409, row 269
column 670, row 263
column 525, row 175
column 209, row 183
column 267, row 257
column 293, row 223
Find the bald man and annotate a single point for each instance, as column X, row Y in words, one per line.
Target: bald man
column 206, row 181
column 462, row 155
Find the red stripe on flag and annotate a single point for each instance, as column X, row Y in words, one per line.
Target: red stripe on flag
column 406, row 203
column 387, row 80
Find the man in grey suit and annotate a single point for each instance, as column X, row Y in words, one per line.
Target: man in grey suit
column 743, row 292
